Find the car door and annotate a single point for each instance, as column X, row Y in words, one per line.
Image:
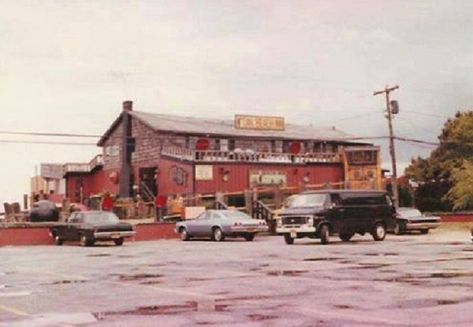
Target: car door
column 198, row 226
column 352, row 214
column 336, row 213
column 75, row 226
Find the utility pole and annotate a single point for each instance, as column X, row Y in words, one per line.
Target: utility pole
column 386, row 91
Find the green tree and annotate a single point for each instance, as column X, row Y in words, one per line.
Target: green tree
column 435, row 173
column 461, row 194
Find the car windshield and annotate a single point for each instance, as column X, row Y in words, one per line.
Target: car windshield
column 408, row 213
column 234, row 215
column 100, row 218
column 306, row 200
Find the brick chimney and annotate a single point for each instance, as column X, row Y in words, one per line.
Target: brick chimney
column 127, row 105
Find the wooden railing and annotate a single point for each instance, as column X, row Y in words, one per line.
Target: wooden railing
column 84, row 167
column 262, row 211
column 248, row 156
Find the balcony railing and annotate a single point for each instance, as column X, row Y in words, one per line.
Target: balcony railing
column 84, row 167
column 248, row 156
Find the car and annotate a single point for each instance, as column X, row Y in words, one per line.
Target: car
column 43, row 210
column 320, row 214
column 218, row 224
column 88, row 227
column 409, row 219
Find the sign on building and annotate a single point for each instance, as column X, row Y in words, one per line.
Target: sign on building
column 259, row 122
column 52, row 171
column 266, row 178
column 204, row 173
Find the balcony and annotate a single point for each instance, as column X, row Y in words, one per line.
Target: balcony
column 84, row 167
column 248, row 156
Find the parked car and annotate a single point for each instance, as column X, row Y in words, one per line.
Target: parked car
column 218, row 224
column 409, row 219
column 319, row 214
column 87, row 227
column 43, row 210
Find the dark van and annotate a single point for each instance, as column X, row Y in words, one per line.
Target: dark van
column 319, row 214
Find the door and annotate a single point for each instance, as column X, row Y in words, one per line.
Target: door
column 199, row 226
column 148, row 188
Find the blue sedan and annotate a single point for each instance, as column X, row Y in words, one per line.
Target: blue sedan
column 218, row 224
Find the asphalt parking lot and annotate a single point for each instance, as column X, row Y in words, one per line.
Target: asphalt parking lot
column 404, row 280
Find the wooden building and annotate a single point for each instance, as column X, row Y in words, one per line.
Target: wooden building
column 157, row 154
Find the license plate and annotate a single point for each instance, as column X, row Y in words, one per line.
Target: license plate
column 293, row 233
column 115, row 235
column 252, row 230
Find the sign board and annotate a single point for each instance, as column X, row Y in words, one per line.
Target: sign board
column 52, row 171
column 204, row 173
column 259, row 122
column 265, row 178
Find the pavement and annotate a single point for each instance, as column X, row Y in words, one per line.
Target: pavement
column 415, row 280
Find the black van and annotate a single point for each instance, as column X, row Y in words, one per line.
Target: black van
column 318, row 214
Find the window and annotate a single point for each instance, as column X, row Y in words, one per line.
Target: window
column 231, row 145
column 223, row 145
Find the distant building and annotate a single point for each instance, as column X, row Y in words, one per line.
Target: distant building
column 156, row 154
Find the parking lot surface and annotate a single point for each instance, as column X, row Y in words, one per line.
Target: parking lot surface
column 415, row 280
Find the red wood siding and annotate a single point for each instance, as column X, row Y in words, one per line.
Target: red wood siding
column 169, row 183
column 239, row 175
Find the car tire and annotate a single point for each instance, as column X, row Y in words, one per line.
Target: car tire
column 184, row 235
column 85, row 241
column 217, row 235
column 424, row 231
column 345, row 237
column 324, row 234
column 379, row 232
column 57, row 240
column 288, row 239
column 249, row 237
column 119, row 241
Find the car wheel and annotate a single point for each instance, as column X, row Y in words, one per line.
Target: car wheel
column 398, row 229
column 218, row 235
column 249, row 237
column 324, row 234
column 85, row 241
column 288, row 239
column 119, row 241
column 345, row 237
column 379, row 232
column 424, row 231
column 57, row 240
column 184, row 235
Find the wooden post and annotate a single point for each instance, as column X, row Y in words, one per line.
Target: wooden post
column 249, row 202
column 277, row 197
column 25, row 201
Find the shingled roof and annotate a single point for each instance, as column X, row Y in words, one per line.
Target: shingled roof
column 226, row 128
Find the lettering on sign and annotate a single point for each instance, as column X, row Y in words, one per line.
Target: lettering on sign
column 266, row 178
column 204, row 173
column 259, row 122
column 178, row 175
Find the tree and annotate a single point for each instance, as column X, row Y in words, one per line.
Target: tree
column 461, row 194
column 435, row 173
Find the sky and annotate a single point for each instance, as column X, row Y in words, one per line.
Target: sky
column 66, row 67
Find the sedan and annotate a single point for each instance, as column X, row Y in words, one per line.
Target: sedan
column 87, row 227
column 218, row 224
column 408, row 219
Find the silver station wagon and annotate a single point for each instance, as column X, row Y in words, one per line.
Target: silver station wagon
column 218, row 224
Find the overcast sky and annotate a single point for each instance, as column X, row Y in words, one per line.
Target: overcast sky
column 66, row 66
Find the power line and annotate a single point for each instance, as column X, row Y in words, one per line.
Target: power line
column 50, row 134
column 47, row 142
